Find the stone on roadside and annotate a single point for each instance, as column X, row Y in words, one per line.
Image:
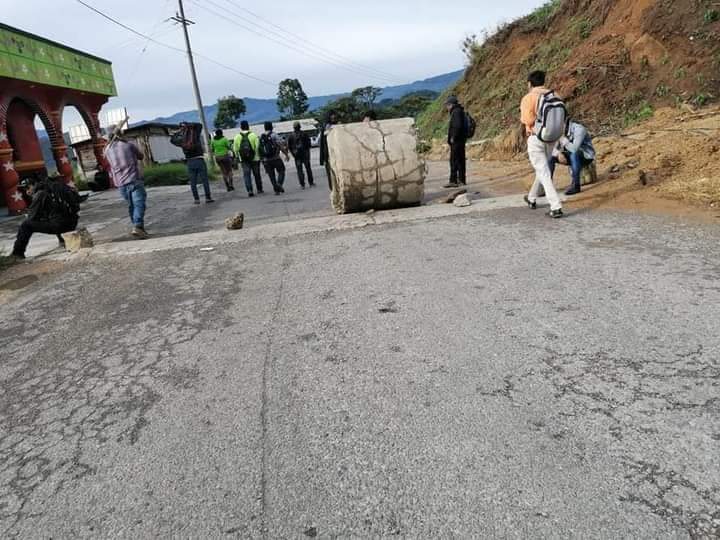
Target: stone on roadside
column 375, row 166
column 236, row 222
column 77, row 240
column 462, row 201
column 589, row 174
column 454, row 195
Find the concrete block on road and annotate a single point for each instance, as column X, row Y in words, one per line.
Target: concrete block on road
column 376, row 166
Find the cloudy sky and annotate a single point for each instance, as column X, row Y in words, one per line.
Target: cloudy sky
column 331, row 46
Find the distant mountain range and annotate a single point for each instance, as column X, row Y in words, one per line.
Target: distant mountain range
column 261, row 110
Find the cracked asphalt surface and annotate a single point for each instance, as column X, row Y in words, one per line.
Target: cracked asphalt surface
column 491, row 375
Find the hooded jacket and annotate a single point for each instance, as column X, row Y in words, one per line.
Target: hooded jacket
column 456, row 129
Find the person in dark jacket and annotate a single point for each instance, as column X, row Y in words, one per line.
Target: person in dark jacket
column 300, row 146
column 271, row 146
column 457, row 139
column 332, row 120
column 46, row 214
column 195, row 159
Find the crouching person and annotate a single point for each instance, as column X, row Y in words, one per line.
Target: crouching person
column 53, row 209
column 576, row 150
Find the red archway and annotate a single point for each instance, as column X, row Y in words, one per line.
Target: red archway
column 39, row 78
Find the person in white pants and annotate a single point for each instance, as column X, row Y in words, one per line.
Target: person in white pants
column 539, row 152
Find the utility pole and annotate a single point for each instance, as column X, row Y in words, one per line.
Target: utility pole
column 180, row 18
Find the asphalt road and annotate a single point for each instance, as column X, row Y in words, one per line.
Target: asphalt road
column 492, row 375
column 171, row 211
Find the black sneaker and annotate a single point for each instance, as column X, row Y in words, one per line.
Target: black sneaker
column 208, row 201
column 531, row 205
column 282, row 189
column 450, row 185
column 312, row 184
column 556, row 214
column 572, row 191
column 251, row 195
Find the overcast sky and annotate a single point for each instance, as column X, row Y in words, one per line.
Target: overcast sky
column 404, row 40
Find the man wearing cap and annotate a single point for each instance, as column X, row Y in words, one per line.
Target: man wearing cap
column 300, row 145
column 123, row 157
column 457, row 138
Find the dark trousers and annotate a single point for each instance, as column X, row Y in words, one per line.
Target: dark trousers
column 197, row 169
column 303, row 162
column 225, row 164
column 275, row 168
column 328, row 171
column 30, row 227
column 458, row 163
column 249, row 170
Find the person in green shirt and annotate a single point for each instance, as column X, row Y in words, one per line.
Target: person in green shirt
column 247, row 149
column 221, row 150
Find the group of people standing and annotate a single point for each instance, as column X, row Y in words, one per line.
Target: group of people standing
column 251, row 151
column 552, row 138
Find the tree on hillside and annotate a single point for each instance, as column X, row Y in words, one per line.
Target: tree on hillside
column 366, row 95
column 230, row 109
column 292, row 100
column 413, row 104
column 470, row 47
column 347, row 108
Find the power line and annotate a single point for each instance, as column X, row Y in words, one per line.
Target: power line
column 318, row 56
column 310, row 43
column 285, row 42
column 127, row 41
column 154, row 32
column 167, row 46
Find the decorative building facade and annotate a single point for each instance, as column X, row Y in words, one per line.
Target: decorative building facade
column 38, row 79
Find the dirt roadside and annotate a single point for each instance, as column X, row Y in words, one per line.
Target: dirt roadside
column 669, row 165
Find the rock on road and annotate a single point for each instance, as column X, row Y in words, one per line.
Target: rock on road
column 489, row 375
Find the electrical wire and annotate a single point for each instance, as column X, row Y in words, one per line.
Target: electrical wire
column 167, row 46
column 311, row 44
column 316, row 56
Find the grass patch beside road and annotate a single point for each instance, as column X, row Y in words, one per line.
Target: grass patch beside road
column 172, row 174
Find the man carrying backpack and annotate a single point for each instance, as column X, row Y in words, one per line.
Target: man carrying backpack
column 189, row 139
column 53, row 209
column 544, row 116
column 247, row 148
column 576, row 150
column 457, row 139
column 124, row 160
column 270, row 147
column 300, row 145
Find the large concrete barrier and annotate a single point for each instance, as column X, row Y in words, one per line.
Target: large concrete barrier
column 375, row 166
